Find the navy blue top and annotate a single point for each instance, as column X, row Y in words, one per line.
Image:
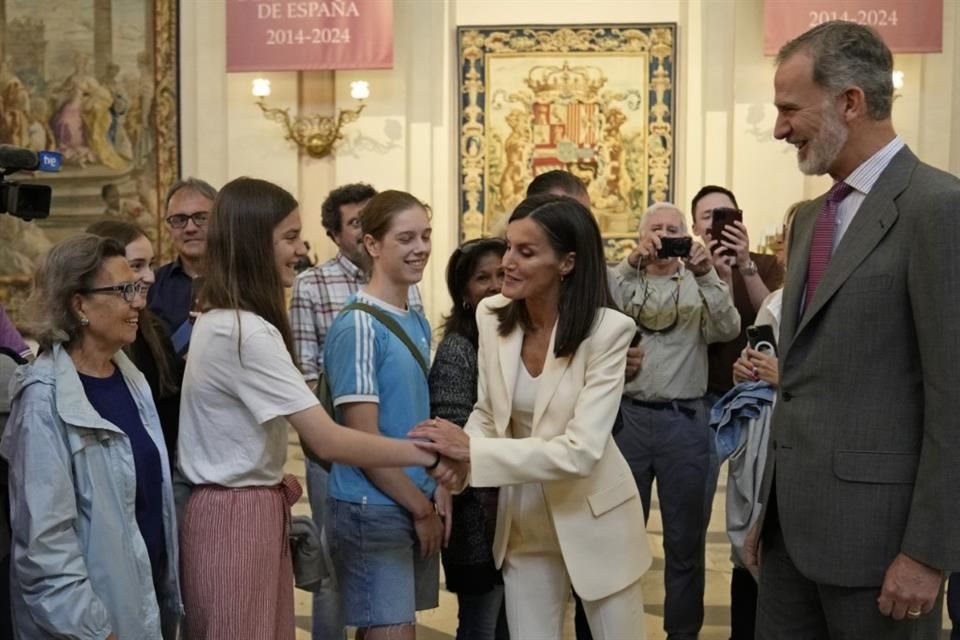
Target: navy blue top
column 171, row 296
column 112, row 400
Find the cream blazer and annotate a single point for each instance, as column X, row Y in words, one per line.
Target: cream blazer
column 590, row 492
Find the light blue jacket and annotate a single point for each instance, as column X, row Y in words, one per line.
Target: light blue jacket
column 742, row 420
column 80, row 568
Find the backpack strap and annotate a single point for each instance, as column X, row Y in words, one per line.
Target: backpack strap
column 394, row 328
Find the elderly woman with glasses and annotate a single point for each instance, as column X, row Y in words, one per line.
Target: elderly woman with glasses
column 94, row 531
column 669, row 286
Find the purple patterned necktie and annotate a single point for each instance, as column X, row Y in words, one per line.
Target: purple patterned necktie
column 822, row 246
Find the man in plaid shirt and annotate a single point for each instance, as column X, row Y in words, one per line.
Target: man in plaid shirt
column 319, row 293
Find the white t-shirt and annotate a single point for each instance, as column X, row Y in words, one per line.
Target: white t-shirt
column 236, row 394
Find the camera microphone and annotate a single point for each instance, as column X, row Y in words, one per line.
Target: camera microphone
column 17, row 158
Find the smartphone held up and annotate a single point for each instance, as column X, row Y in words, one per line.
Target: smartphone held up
column 720, row 219
column 761, row 338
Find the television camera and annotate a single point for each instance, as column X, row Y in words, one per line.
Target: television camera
column 26, row 201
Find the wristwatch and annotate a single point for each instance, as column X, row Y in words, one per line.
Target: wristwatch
column 749, row 269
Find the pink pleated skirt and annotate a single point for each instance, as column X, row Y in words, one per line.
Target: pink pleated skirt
column 236, row 572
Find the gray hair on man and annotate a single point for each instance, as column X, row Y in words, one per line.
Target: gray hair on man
column 846, row 54
column 663, row 206
column 197, row 185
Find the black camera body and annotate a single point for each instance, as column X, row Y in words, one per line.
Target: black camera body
column 675, row 247
column 27, row 201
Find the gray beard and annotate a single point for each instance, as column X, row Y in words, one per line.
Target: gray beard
column 825, row 147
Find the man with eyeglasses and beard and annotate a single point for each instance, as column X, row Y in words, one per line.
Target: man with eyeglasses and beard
column 668, row 284
column 171, row 297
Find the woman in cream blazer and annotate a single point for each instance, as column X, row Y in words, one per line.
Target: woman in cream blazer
column 551, row 372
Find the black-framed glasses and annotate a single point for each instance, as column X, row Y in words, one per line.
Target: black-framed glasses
column 180, row 220
column 129, row 291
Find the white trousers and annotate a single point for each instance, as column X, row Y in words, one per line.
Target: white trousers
column 537, row 586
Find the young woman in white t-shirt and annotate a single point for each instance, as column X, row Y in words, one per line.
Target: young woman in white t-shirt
column 240, row 390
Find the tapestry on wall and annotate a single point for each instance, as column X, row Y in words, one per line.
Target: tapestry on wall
column 595, row 100
column 96, row 81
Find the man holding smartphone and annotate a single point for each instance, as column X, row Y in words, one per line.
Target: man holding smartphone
column 750, row 276
column 718, row 222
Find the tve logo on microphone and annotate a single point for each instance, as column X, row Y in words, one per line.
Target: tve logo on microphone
column 50, row 161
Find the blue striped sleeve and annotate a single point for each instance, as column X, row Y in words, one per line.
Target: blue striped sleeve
column 350, row 358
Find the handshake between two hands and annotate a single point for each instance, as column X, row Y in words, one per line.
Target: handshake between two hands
column 452, row 443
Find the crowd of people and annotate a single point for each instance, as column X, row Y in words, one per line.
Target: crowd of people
column 146, row 441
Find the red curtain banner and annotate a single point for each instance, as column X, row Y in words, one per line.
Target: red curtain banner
column 299, row 35
column 907, row 26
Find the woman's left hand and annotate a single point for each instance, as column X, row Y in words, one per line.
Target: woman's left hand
column 444, row 437
column 765, row 366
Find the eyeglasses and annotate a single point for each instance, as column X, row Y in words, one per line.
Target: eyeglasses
column 129, row 291
column 180, row 220
column 676, row 311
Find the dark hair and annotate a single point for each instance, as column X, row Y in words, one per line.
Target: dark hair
column 150, row 327
column 120, row 230
column 347, row 194
column 846, row 54
column 461, row 267
column 557, row 180
column 70, row 267
column 196, row 185
column 241, row 272
column 707, row 190
column 569, row 227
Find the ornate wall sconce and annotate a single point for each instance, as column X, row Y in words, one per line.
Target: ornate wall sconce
column 316, row 134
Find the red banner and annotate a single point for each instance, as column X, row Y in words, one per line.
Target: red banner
column 907, row 26
column 297, row 35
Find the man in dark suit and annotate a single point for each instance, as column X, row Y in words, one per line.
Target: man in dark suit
column 861, row 521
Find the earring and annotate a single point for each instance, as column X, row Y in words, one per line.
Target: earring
column 465, row 305
column 84, row 321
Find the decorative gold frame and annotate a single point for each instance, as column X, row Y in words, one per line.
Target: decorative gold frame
column 576, row 108
column 166, row 155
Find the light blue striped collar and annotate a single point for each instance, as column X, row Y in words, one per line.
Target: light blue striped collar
column 865, row 176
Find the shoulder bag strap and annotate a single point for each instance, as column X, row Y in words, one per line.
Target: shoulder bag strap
column 394, row 328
